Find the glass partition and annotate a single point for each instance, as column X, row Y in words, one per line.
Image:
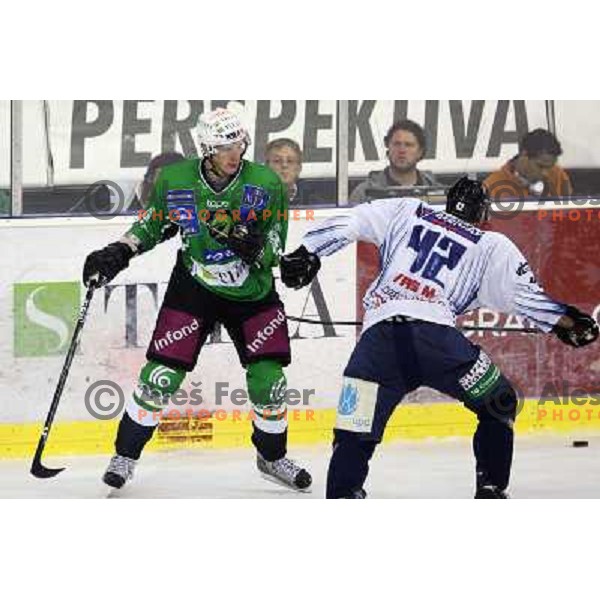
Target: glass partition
column 90, row 156
column 5, row 158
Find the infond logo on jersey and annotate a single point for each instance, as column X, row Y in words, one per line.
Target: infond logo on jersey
column 266, row 332
column 348, row 400
column 176, row 335
column 44, row 317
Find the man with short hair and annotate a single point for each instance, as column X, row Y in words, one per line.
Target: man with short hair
column 533, row 171
column 284, row 156
column 406, row 145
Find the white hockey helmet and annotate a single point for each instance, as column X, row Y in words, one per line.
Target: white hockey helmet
column 220, row 127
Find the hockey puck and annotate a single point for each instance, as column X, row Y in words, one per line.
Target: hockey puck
column 580, row 444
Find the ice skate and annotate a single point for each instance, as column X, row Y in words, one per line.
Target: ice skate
column 356, row 495
column 285, row 472
column 119, row 471
column 491, row 492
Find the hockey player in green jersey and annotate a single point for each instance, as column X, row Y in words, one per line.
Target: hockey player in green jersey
column 232, row 217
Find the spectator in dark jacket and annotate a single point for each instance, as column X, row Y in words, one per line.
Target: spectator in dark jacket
column 406, row 145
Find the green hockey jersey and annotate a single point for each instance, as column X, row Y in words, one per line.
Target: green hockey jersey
column 181, row 198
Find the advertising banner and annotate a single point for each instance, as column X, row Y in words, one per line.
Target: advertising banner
column 40, row 297
column 85, row 141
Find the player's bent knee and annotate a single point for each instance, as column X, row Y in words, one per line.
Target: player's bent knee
column 501, row 404
column 267, row 387
column 266, row 382
column 156, row 385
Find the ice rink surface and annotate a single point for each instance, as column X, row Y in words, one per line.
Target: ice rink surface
column 544, row 467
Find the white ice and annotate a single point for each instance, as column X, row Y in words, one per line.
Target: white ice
column 544, row 467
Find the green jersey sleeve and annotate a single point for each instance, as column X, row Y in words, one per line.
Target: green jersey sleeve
column 153, row 224
column 276, row 228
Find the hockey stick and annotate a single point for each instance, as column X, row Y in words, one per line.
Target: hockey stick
column 37, row 468
column 216, row 232
column 465, row 328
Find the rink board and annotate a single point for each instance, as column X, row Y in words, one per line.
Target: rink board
column 409, row 422
column 41, row 263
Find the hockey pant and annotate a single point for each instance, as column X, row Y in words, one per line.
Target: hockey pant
column 394, row 358
column 188, row 315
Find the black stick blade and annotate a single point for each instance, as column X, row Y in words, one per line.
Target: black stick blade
column 41, row 472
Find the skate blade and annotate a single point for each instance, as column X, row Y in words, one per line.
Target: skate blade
column 285, row 485
column 111, row 492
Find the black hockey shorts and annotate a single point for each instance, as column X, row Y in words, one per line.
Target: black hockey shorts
column 190, row 311
column 392, row 359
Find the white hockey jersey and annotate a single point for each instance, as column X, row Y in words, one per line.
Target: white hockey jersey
column 434, row 266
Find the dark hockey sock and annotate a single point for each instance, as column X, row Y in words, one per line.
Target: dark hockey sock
column 271, row 446
column 132, row 437
column 493, row 448
column 349, row 465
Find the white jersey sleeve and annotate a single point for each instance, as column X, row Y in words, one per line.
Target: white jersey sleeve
column 367, row 222
column 508, row 285
column 433, row 266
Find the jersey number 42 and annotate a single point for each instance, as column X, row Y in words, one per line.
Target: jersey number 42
column 433, row 253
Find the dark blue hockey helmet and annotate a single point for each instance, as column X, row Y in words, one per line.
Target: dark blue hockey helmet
column 468, row 200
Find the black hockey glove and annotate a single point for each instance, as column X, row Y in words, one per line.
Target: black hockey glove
column 584, row 331
column 104, row 265
column 247, row 241
column 299, row 268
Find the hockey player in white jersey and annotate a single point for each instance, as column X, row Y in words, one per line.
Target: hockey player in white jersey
column 434, row 266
